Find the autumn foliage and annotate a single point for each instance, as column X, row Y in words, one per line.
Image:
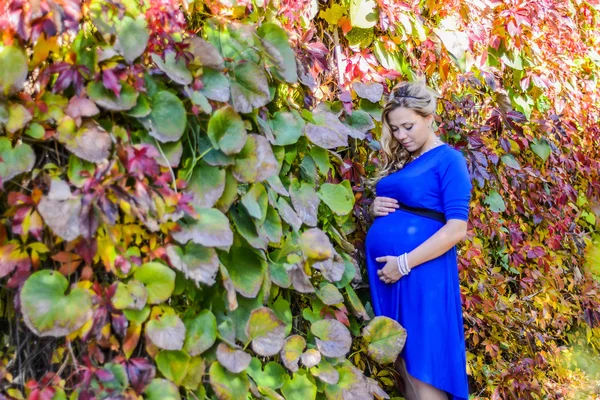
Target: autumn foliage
column 184, row 200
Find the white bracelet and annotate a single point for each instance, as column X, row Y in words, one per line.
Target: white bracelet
column 402, row 262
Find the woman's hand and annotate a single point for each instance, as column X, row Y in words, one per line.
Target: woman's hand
column 389, row 273
column 382, row 206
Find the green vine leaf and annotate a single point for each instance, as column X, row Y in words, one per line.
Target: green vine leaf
column 15, row 160
column 385, row 339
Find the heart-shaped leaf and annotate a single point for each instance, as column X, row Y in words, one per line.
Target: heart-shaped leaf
column 195, row 374
column 131, row 295
column 287, row 127
column 14, row 160
column 18, row 117
column 326, row 372
column 271, row 376
column 249, row 87
column 162, row 389
column 107, row 99
column 47, row 310
column 292, row 351
column 371, row 91
column 327, row 131
column 211, row 228
column 216, row 85
column 159, row 280
column 205, row 53
column 333, row 338
column 201, row 332
column 329, row 294
column 176, row 69
column 385, row 338
column 13, row 69
column 541, row 148
column 266, row 332
column 315, row 245
column 338, row 197
column 234, row 360
column 228, row 386
column 132, row 38
column 248, row 228
column 166, row 331
column 256, row 201
column 360, row 122
column 351, row 384
column 246, row 267
column 227, row 131
column 168, row 118
column 61, row 211
column 510, row 161
column 277, row 44
column 173, row 364
column 207, row 185
column 197, row 262
column 305, row 201
column 299, row 388
column 91, row 142
column 310, row 358
column 256, row 162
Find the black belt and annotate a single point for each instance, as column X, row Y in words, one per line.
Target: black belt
column 424, row 212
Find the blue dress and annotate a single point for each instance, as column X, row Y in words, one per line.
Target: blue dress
column 427, row 301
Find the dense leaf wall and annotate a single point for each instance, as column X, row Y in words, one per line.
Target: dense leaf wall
column 184, row 199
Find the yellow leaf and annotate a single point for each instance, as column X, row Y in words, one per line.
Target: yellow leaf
column 42, row 49
column 332, row 15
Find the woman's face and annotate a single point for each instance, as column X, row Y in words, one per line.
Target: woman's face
column 410, row 129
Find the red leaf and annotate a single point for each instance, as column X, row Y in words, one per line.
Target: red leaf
column 111, row 82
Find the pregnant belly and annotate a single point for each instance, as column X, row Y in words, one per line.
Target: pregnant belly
column 399, row 232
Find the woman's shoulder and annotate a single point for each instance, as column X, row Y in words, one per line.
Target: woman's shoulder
column 450, row 158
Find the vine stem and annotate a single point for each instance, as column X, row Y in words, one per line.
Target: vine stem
column 168, row 164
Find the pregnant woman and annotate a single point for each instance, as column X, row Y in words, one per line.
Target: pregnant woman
column 421, row 213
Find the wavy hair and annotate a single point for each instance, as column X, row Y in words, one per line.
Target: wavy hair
column 412, row 95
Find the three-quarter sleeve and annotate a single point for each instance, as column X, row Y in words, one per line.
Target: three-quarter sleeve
column 456, row 186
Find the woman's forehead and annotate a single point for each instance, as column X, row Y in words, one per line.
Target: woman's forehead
column 402, row 115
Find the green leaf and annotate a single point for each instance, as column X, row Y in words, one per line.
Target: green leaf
column 266, row 332
column 207, row 185
column 161, row 389
column 137, row 316
column 256, row 201
column 167, row 331
column 363, row 13
column 495, row 201
column 277, row 44
column 305, row 201
column 142, row 107
column 360, row 122
column 228, row 386
column 271, row 376
column 272, row 225
column 326, row 372
column 287, row 127
column 197, row 262
column 356, row 305
column 351, row 380
column 256, row 162
column 200, row 100
column 510, row 162
column 159, row 280
column 333, row 338
column 385, row 339
column 226, row 131
column 229, row 194
column 46, row 309
column 132, row 38
column 106, row 98
column 18, row 117
column 329, row 294
column 210, row 228
column 249, row 87
column 168, row 118
column 14, row 160
column 216, row 85
column 282, row 309
column 175, row 69
column 13, row 69
column 234, row 360
column 173, row 364
column 327, row 131
column 195, row 374
column 541, row 148
column 299, row 388
column 279, row 275
column 35, row 131
column 246, row 268
column 205, row 54
column 132, row 295
column 201, row 332
column 338, row 197
column 76, row 169
column 292, row 351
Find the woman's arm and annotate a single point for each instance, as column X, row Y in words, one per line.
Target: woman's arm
column 439, row 243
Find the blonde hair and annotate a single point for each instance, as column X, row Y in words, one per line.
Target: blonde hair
column 415, row 96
